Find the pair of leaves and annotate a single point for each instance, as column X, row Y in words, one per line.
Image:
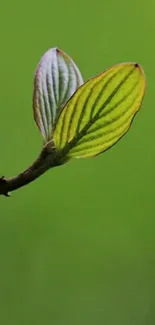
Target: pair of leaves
column 85, row 119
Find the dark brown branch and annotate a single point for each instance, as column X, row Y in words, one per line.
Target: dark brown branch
column 47, row 159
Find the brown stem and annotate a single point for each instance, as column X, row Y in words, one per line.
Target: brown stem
column 46, row 160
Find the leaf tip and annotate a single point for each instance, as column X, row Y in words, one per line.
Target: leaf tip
column 136, row 65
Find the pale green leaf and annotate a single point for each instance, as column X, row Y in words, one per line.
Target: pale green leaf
column 56, row 79
column 100, row 112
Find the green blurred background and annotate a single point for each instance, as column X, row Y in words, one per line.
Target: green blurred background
column 78, row 245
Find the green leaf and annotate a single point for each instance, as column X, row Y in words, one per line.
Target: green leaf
column 100, row 112
column 56, row 79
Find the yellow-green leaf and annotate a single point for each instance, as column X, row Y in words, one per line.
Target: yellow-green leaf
column 101, row 111
column 56, row 79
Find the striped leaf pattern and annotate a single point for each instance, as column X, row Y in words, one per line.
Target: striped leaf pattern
column 56, row 79
column 100, row 112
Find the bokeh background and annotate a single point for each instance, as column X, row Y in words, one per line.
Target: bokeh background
column 78, row 245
